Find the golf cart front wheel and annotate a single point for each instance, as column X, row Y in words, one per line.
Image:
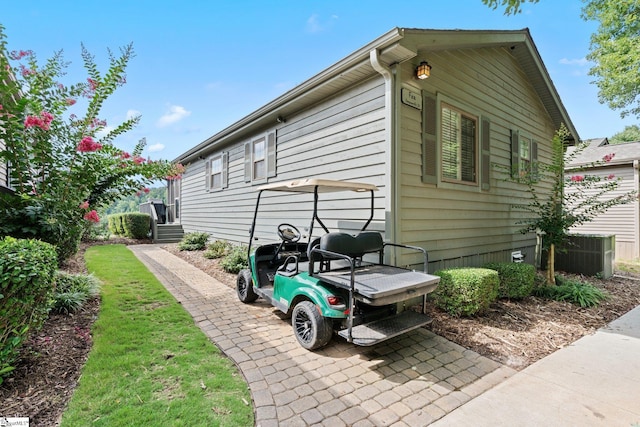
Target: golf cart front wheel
column 244, row 287
column 312, row 329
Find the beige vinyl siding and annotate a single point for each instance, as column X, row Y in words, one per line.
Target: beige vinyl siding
column 341, row 138
column 621, row 220
column 456, row 221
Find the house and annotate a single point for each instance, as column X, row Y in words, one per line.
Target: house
column 437, row 148
column 5, row 169
column 623, row 221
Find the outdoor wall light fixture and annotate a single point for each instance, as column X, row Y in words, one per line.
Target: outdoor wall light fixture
column 423, row 71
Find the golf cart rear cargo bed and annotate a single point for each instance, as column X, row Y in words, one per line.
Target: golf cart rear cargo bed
column 381, row 284
column 383, row 329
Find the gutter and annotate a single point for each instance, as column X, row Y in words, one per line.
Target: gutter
column 392, row 231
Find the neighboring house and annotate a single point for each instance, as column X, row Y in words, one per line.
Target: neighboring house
column 5, row 170
column 437, row 148
column 623, row 221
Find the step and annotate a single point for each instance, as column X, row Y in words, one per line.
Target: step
column 381, row 330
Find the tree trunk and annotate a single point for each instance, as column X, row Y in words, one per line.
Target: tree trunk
column 551, row 265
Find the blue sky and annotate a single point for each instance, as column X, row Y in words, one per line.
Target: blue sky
column 202, row 65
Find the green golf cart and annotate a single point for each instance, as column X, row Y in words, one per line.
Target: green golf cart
column 335, row 281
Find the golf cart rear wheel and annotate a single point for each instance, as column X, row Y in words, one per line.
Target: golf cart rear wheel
column 244, row 287
column 312, row 329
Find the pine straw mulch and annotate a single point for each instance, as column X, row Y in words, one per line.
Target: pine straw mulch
column 515, row 333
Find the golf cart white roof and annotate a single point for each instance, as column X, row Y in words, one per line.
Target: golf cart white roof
column 308, row 185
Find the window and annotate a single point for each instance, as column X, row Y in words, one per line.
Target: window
column 524, row 155
column 216, row 172
column 459, row 145
column 260, row 158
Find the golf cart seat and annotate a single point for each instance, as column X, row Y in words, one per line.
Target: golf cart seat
column 353, row 246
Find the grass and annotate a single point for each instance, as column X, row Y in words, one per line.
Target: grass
column 629, row 266
column 150, row 365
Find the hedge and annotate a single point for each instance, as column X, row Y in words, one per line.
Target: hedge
column 27, row 269
column 466, row 291
column 516, row 279
column 136, row 225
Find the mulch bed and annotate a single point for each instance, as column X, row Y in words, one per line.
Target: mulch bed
column 515, row 333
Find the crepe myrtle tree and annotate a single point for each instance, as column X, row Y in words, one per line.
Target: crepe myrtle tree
column 63, row 163
column 573, row 199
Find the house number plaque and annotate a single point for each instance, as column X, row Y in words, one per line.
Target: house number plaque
column 411, row 98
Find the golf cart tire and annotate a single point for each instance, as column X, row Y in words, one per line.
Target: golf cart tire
column 312, row 330
column 244, row 287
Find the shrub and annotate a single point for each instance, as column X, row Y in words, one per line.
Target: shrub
column 73, row 290
column 27, row 269
column 516, row 279
column 113, row 221
column 235, row 260
column 573, row 291
column 217, row 249
column 96, row 232
column 136, row 225
column 466, row 291
column 194, row 241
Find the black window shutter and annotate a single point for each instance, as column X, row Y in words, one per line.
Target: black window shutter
column 429, row 141
column 271, row 154
column 515, row 153
column 247, row 162
column 225, row 169
column 485, row 144
column 207, row 175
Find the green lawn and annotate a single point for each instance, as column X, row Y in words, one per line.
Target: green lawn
column 150, row 365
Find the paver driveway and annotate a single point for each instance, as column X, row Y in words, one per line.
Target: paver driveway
column 411, row 380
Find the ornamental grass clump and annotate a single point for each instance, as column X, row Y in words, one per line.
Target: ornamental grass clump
column 73, row 290
column 466, row 291
column 194, row 241
column 574, row 291
column 516, row 279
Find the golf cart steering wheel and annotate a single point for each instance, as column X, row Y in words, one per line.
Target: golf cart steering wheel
column 288, row 233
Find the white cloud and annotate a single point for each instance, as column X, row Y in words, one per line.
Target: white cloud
column 581, row 62
column 132, row 113
column 316, row 25
column 155, row 148
column 173, row 115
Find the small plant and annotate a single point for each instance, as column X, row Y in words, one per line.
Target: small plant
column 217, row 249
column 235, row 260
column 516, row 279
column 466, row 291
column 73, row 290
column 195, row 241
column 573, row 291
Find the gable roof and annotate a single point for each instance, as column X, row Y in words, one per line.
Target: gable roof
column 395, row 47
column 597, row 148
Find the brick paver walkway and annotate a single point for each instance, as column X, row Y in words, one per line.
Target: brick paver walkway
column 411, row 380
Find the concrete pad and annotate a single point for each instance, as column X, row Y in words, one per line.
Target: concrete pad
column 594, row 382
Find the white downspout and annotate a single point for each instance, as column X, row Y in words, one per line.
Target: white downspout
column 392, row 225
column 636, row 214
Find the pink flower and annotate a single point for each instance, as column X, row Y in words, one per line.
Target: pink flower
column 611, row 176
column 84, row 205
column 26, row 71
column 70, row 101
column 577, row 178
column 88, row 145
column 17, row 55
column 138, row 160
column 93, row 84
column 608, row 157
column 124, row 155
column 146, row 190
column 92, row 216
column 42, row 122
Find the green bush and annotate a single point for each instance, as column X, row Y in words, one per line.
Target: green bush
column 466, row 291
column 573, row 291
column 194, row 241
column 235, row 260
column 73, row 290
column 136, row 225
column 516, row 279
column 27, row 270
column 112, row 221
column 217, row 249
